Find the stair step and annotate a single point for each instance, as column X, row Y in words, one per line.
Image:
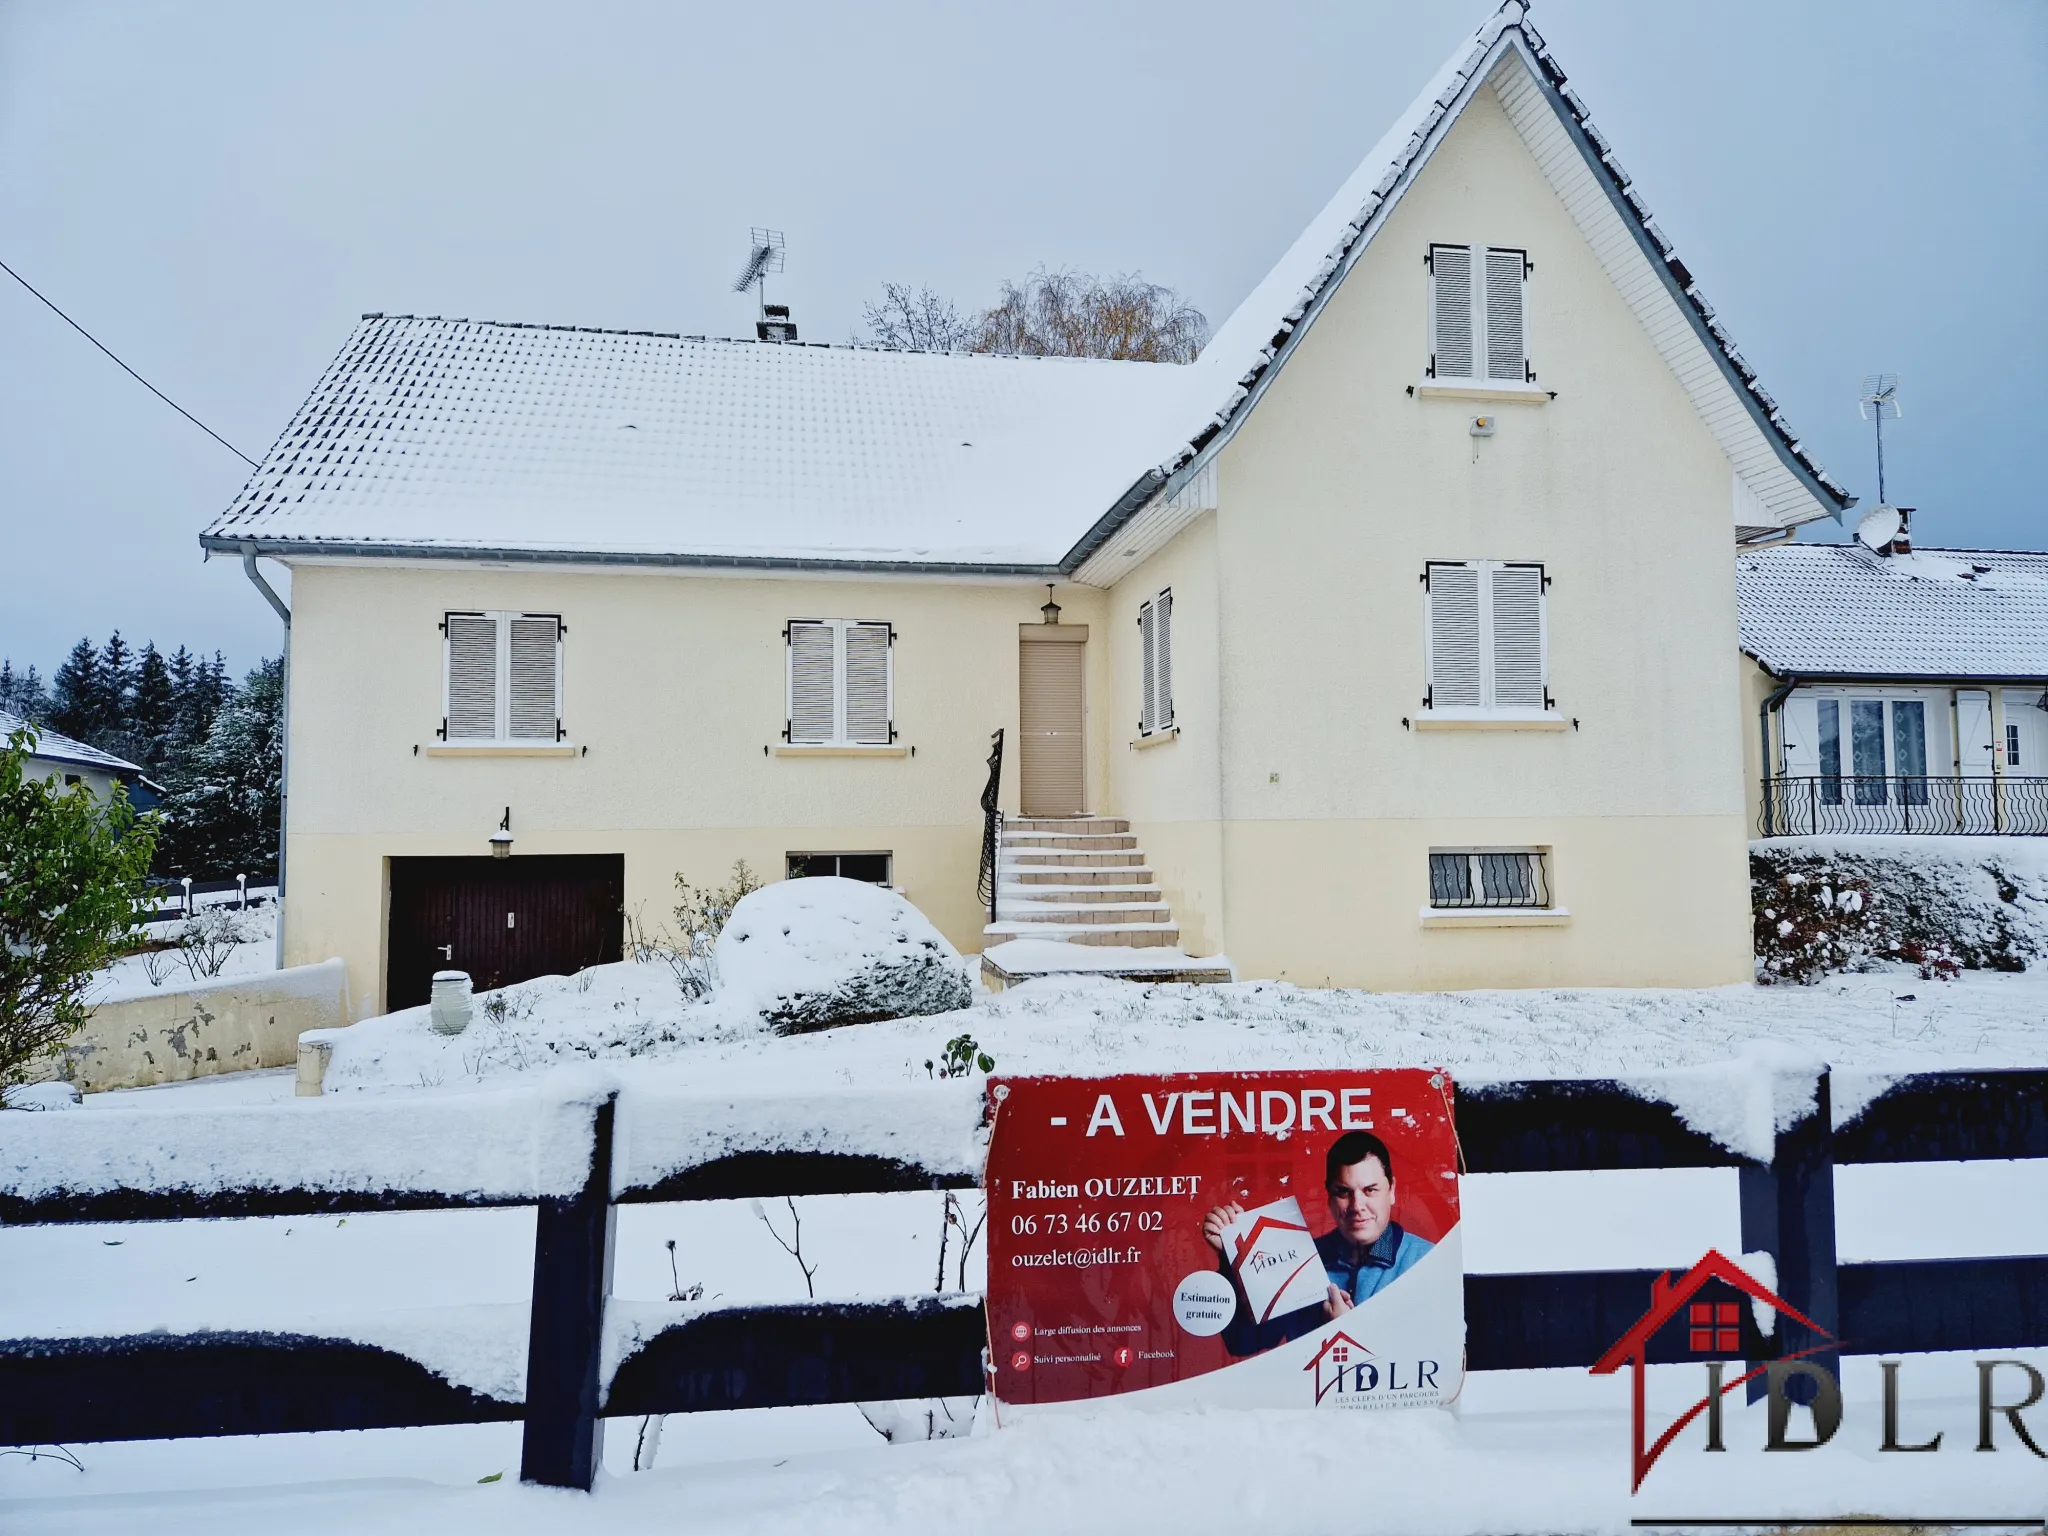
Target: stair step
column 1081, row 912
column 1096, row 858
column 1070, row 841
column 1120, row 895
column 1127, row 935
column 1088, row 824
column 1073, row 875
column 1008, row 964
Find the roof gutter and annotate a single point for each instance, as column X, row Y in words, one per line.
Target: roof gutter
column 286, row 549
column 1906, row 679
column 249, row 552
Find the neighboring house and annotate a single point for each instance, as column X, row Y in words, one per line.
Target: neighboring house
column 1895, row 690
column 1398, row 627
column 57, row 756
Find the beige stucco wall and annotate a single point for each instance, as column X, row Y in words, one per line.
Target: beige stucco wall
column 674, row 684
column 217, row 1026
column 1338, row 489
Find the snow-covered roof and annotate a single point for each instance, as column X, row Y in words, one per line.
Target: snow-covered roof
column 1840, row 610
column 56, row 747
column 455, row 437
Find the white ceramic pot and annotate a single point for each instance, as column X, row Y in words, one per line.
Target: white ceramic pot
column 452, row 1007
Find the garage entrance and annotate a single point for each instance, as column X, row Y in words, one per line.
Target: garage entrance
column 501, row 920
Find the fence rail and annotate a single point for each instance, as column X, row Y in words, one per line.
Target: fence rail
column 640, row 1147
column 1947, row 805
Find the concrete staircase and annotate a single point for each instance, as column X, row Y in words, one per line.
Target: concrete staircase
column 1083, row 881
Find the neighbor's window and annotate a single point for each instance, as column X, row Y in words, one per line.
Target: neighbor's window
column 1155, row 647
column 502, row 677
column 1488, row 877
column 871, row 867
column 1486, row 639
column 838, row 683
column 1478, row 314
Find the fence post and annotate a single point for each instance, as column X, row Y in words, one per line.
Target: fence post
column 1788, row 1211
column 572, row 1276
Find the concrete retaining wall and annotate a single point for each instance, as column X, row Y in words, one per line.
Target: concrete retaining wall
column 229, row 1025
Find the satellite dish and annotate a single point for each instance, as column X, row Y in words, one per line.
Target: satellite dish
column 1880, row 525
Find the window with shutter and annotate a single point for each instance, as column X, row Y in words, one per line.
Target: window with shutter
column 1517, row 636
column 1450, row 345
column 1148, row 668
column 472, row 679
column 867, row 684
column 1453, row 638
column 1485, row 638
column 839, row 683
column 533, row 710
column 811, row 703
column 502, row 677
column 1478, row 327
column 1506, row 354
column 1162, row 662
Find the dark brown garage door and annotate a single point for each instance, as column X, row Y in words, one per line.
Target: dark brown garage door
column 501, row 920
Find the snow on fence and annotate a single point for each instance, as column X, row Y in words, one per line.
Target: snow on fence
column 575, row 1155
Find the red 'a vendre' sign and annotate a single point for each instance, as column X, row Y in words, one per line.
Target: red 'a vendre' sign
column 1254, row 1239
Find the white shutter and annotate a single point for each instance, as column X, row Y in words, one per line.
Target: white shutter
column 533, row 710
column 867, row 684
column 1517, row 605
column 1162, row 663
column 1453, row 604
column 1507, row 350
column 1450, row 340
column 811, row 670
column 1149, row 671
column 472, row 683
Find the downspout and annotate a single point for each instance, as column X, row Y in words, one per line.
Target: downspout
column 285, row 727
column 1763, row 759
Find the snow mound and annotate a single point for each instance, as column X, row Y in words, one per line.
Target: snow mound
column 821, row 952
column 51, row 1095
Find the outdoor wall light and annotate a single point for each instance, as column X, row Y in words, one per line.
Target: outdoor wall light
column 501, row 840
column 1050, row 609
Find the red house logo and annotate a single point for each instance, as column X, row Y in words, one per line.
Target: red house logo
column 1712, row 1328
column 1335, row 1358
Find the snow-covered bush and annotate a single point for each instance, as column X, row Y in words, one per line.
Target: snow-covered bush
column 1825, row 905
column 821, row 952
column 208, row 939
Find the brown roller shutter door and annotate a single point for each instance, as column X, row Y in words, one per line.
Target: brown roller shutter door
column 1051, row 706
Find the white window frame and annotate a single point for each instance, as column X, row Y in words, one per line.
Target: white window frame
column 1483, row 374
column 1152, row 721
column 1486, row 709
column 839, row 736
column 501, row 680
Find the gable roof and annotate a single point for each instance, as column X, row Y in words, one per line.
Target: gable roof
column 1843, row 611
column 432, row 437
column 56, row 747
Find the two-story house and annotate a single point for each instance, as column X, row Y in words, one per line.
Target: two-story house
column 1395, row 643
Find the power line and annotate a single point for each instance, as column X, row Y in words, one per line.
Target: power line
column 138, row 378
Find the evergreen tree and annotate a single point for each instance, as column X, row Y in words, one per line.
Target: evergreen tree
column 22, row 693
column 117, row 684
column 151, row 712
column 225, row 797
column 76, row 697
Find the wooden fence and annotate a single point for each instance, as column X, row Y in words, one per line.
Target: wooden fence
column 672, row 1148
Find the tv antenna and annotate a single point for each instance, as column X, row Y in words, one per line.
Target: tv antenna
column 764, row 255
column 1877, row 400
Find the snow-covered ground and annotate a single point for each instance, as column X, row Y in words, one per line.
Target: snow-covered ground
column 1532, row 1450
column 139, row 975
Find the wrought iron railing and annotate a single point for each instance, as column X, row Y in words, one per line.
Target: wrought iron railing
column 991, row 824
column 1952, row 805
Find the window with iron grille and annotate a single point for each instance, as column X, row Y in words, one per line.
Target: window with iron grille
column 501, row 677
column 1489, row 877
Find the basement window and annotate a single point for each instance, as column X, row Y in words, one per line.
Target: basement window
column 874, row 868
column 1469, row 878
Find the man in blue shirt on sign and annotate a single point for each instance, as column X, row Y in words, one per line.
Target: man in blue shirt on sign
column 1365, row 1252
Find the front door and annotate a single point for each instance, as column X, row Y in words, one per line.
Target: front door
column 501, row 920
column 1051, row 663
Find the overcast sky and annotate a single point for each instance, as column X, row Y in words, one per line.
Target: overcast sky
column 218, row 190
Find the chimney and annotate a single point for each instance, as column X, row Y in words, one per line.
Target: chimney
column 775, row 324
column 1902, row 541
